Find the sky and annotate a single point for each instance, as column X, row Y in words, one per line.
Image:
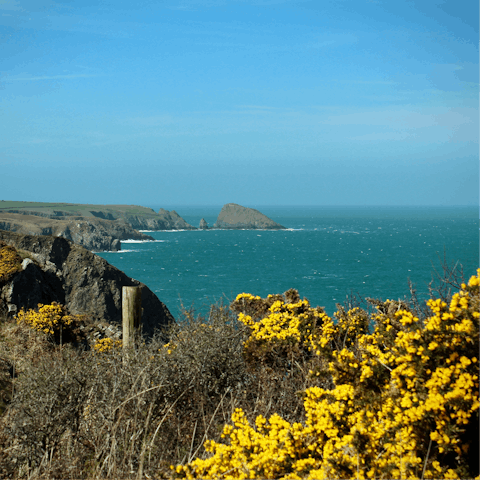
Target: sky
column 256, row 102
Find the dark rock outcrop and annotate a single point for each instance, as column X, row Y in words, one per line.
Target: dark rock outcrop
column 203, row 224
column 233, row 216
column 56, row 269
column 95, row 234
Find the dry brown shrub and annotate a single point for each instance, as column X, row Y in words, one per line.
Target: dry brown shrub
column 79, row 413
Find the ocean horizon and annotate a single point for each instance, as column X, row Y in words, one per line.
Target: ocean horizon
column 327, row 253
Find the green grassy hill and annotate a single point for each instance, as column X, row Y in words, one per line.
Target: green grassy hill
column 74, row 209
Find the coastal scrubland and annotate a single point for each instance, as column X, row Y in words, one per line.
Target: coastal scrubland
column 261, row 388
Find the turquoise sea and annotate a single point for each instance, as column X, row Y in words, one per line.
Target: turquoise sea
column 327, row 253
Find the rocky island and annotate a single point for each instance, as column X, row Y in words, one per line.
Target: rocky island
column 233, row 216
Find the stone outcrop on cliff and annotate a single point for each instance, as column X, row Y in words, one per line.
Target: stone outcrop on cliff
column 95, row 234
column 233, row 216
column 56, row 269
column 174, row 221
column 164, row 220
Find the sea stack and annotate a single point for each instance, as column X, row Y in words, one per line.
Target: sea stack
column 203, row 224
column 236, row 217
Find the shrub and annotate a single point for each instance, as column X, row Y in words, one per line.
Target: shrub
column 405, row 404
column 282, row 328
column 10, row 262
column 106, row 344
column 309, row 395
column 53, row 320
column 42, row 424
column 123, row 411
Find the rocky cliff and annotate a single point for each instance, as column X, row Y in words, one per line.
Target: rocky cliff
column 174, row 220
column 140, row 218
column 95, row 234
column 56, row 269
column 233, row 216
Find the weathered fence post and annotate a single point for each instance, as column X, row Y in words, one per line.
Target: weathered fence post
column 131, row 313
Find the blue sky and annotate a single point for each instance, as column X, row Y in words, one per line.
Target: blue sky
column 257, row 102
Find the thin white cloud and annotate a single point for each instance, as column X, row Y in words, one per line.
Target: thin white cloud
column 194, row 4
column 385, row 136
column 149, row 121
column 406, row 118
column 427, row 124
column 50, row 77
column 257, row 107
column 38, row 141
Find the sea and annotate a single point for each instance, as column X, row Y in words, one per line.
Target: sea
column 327, row 253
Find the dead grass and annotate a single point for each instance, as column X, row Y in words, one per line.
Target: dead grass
column 71, row 412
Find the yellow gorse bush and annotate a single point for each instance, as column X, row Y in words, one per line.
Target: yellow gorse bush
column 48, row 318
column 106, row 345
column 10, row 262
column 405, row 401
column 283, row 322
column 281, row 328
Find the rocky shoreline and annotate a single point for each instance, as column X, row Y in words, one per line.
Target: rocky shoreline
column 95, row 234
column 103, row 227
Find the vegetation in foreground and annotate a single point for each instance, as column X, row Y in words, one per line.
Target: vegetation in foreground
column 272, row 387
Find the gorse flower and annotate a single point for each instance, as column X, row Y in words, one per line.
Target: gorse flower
column 10, row 262
column 405, row 401
column 106, row 345
column 280, row 327
column 47, row 319
column 53, row 320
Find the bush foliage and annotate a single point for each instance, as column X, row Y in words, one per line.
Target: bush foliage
column 272, row 387
column 404, row 403
column 10, row 262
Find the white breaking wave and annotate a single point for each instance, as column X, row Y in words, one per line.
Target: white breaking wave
column 122, row 251
column 142, row 241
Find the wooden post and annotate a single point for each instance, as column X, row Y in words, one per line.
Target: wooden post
column 131, row 313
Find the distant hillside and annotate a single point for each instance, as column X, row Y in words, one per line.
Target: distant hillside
column 49, row 210
column 95, row 234
column 138, row 217
column 96, row 227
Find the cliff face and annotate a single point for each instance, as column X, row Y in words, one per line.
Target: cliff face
column 164, row 220
column 233, row 216
column 95, row 234
column 174, row 220
column 55, row 269
column 140, row 218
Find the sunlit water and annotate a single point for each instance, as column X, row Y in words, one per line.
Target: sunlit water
column 327, row 253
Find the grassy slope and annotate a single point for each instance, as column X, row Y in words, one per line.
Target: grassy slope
column 83, row 210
